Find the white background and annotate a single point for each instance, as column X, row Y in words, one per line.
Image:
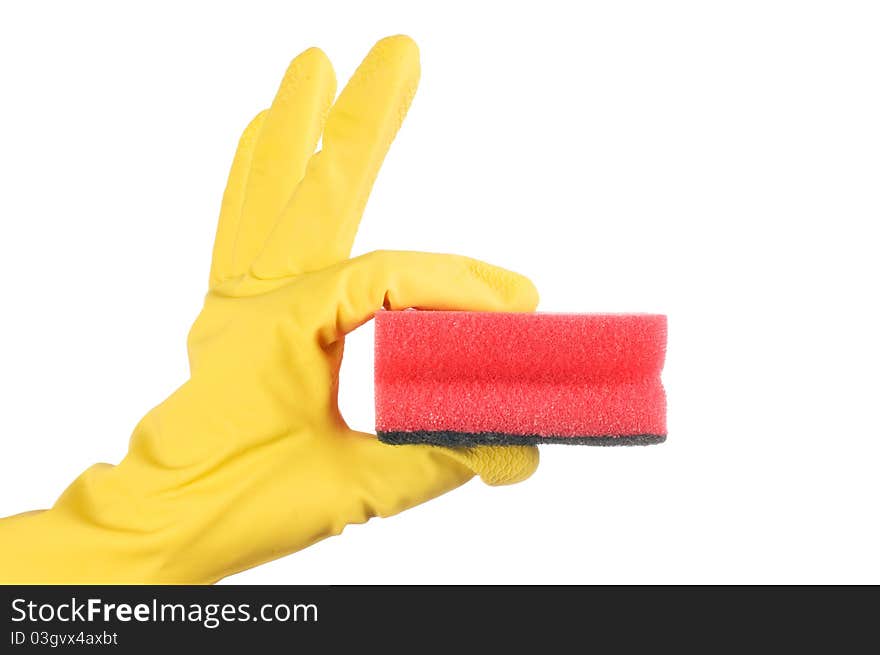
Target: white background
column 717, row 162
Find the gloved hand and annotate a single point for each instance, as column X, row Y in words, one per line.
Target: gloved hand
column 250, row 459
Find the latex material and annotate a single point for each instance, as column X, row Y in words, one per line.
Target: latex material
column 250, row 459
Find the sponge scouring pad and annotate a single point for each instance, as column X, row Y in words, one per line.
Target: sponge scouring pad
column 469, row 378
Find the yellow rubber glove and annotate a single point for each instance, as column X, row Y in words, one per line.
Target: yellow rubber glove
column 250, row 459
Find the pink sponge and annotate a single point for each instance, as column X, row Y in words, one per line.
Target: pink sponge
column 467, row 378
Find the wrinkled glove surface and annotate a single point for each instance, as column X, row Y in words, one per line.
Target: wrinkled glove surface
column 250, row 459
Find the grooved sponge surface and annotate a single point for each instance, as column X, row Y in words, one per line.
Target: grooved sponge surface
column 467, row 378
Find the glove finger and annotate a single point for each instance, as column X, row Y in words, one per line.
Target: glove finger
column 498, row 465
column 359, row 287
column 390, row 479
column 288, row 140
column 233, row 200
column 318, row 226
